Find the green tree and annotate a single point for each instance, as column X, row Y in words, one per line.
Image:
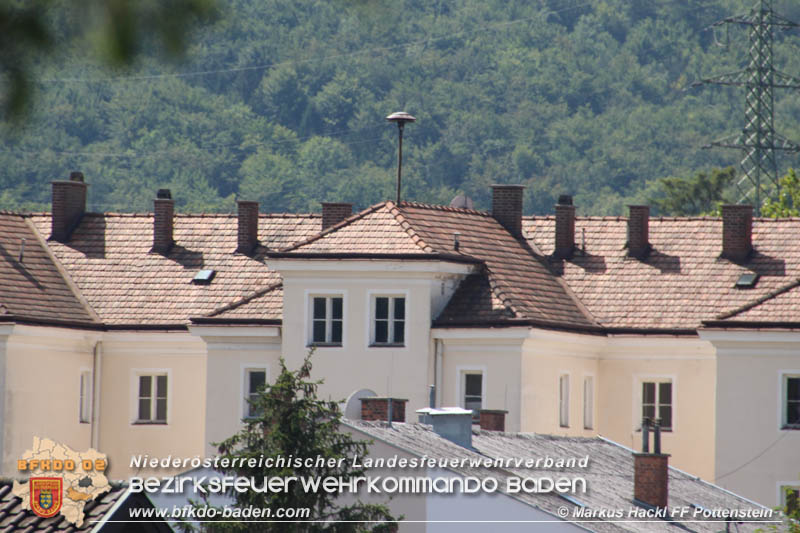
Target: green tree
column 787, row 204
column 700, row 194
column 293, row 421
column 119, row 29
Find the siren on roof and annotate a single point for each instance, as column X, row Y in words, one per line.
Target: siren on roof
column 462, row 201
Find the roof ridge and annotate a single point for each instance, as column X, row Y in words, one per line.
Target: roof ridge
column 758, row 301
column 249, row 298
column 335, row 227
column 447, row 208
column 406, row 226
column 71, row 285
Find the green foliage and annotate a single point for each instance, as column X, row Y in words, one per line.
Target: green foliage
column 787, row 204
column 119, row 30
column 293, row 421
column 284, row 102
column 700, row 194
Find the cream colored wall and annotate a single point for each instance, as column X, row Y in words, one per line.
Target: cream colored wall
column 42, row 389
column 402, row 372
column 546, row 356
column 754, row 456
column 497, row 358
column 182, row 356
column 232, row 350
column 691, row 366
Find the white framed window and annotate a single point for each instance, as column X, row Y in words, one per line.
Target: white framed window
column 588, row 402
column 327, row 320
column 657, row 401
column 85, row 397
column 388, row 321
column 254, row 380
column 790, row 498
column 151, row 407
column 791, row 401
column 471, row 390
column 563, row 400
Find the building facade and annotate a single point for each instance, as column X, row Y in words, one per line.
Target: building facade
column 145, row 334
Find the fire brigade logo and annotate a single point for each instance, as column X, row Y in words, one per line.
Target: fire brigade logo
column 46, row 495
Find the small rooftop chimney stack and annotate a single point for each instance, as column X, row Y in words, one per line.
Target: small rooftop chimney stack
column 651, row 470
column 737, row 232
column 69, row 205
column 638, row 231
column 335, row 212
column 377, row 409
column 451, row 423
column 507, row 207
column 247, row 239
column 163, row 220
column 565, row 227
column 493, row 419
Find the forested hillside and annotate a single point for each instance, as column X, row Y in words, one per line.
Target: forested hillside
column 283, row 101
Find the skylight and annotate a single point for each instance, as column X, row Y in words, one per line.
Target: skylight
column 747, row 280
column 204, row 277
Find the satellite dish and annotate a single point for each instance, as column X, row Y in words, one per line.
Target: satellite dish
column 462, row 201
column 352, row 408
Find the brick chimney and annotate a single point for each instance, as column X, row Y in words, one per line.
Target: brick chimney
column 69, row 205
column 565, row 227
column 651, row 470
column 638, row 231
column 377, row 409
column 493, row 419
column 737, row 232
column 335, row 212
column 507, row 207
column 248, row 226
column 164, row 213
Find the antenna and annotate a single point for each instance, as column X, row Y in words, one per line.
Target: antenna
column 758, row 139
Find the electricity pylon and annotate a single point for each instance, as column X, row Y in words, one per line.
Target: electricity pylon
column 758, row 139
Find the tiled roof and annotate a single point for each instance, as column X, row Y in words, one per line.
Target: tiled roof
column 609, row 474
column 779, row 306
column 108, row 256
column 14, row 518
column 515, row 283
column 262, row 305
column 683, row 281
column 31, row 286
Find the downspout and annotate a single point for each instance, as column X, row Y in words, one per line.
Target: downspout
column 97, row 370
column 438, row 352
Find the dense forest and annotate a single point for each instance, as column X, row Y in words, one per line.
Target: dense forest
column 283, row 101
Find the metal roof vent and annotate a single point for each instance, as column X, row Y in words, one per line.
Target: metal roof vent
column 204, row 277
column 747, row 280
column 462, row 201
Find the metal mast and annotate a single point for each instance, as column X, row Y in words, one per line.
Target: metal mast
column 758, row 139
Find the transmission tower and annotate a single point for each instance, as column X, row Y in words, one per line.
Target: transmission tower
column 758, row 139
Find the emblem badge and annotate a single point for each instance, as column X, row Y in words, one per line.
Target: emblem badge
column 46, row 495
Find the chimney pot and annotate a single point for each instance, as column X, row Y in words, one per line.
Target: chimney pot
column 737, row 232
column 247, row 234
column 69, row 205
column 163, row 221
column 565, row 229
column 507, row 207
column 565, row 199
column 335, row 212
column 493, row 419
column 377, row 409
column 638, row 231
